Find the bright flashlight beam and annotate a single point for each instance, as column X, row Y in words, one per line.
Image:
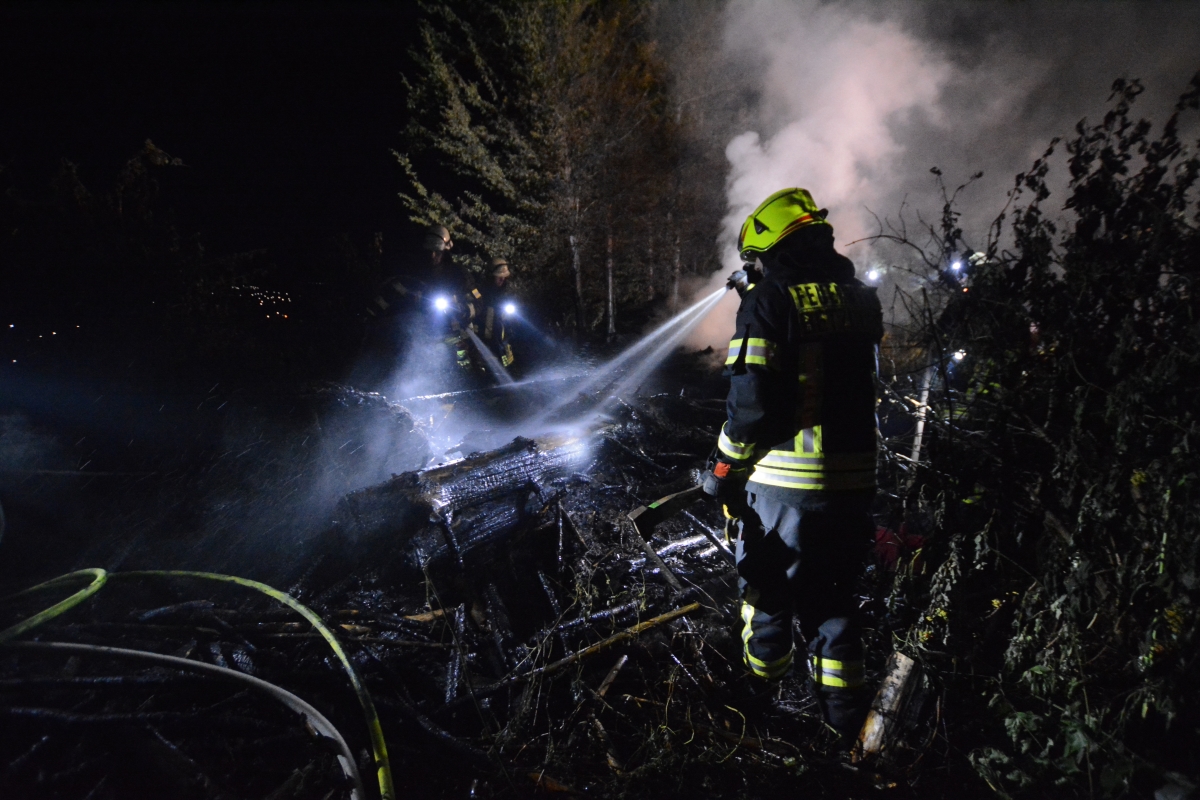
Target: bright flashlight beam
column 956, row 266
column 441, row 303
column 510, row 308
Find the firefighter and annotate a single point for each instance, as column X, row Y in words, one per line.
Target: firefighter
column 430, row 302
column 418, row 285
column 795, row 459
column 495, row 306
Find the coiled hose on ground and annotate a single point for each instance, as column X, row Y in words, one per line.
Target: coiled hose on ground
column 100, row 577
column 318, row 720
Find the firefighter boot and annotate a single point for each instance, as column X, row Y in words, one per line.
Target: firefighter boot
column 835, row 669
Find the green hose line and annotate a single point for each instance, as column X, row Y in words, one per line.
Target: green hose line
column 382, row 767
column 318, row 720
column 374, row 730
column 98, row 576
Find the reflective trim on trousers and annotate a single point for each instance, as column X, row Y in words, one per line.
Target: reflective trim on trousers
column 833, row 674
column 771, row 670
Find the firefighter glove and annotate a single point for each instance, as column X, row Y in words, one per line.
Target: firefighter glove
column 744, row 279
column 727, row 483
column 739, row 282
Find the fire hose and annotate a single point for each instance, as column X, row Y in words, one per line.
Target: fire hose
column 318, row 720
column 100, row 577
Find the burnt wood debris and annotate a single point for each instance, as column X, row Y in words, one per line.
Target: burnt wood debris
column 519, row 620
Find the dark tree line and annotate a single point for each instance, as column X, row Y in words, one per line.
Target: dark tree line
column 545, row 132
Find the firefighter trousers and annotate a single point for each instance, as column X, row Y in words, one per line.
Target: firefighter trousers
column 802, row 558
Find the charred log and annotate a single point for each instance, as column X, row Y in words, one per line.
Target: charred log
column 422, row 520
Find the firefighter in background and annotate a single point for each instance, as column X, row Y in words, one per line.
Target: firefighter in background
column 434, row 293
column 495, row 305
column 795, row 460
column 420, row 281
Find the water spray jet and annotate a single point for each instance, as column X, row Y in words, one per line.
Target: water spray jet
column 674, row 330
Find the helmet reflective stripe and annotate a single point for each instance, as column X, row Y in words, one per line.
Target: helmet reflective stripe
column 833, row 674
column 779, row 216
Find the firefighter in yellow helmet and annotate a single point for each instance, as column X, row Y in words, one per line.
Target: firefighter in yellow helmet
column 795, row 458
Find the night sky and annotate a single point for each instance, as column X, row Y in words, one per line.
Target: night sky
column 283, row 113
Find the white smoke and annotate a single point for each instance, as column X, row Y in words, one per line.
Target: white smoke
column 836, row 87
column 857, row 101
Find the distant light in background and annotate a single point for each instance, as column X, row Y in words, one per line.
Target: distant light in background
column 956, row 266
column 873, row 275
column 510, row 308
column 960, row 355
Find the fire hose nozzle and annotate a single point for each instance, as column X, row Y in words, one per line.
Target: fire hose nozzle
column 739, row 281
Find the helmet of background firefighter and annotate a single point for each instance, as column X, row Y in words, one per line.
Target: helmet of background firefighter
column 776, row 218
column 437, row 239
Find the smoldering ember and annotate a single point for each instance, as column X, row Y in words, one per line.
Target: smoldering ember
column 610, row 398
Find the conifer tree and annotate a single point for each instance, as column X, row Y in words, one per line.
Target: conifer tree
column 533, row 125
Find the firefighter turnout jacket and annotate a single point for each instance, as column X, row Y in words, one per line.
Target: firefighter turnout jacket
column 802, row 366
column 419, row 290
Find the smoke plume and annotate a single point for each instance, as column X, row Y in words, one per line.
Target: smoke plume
column 858, row 101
